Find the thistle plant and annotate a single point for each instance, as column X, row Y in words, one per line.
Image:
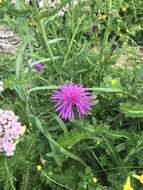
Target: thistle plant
column 75, row 82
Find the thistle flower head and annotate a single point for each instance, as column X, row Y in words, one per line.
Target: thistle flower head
column 10, row 131
column 71, row 98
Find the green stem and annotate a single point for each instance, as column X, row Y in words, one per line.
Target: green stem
column 105, row 39
column 53, row 181
column 9, row 175
column 72, row 40
column 43, row 32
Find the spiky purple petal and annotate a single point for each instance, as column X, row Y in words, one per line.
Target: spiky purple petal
column 71, row 98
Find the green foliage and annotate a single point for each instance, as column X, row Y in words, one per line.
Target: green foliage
column 97, row 44
column 73, row 137
column 132, row 110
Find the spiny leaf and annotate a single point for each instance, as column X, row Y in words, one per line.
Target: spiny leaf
column 73, row 137
column 132, row 110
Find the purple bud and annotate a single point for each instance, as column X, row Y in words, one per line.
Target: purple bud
column 39, row 66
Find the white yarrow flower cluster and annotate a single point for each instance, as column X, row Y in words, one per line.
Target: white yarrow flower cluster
column 10, row 132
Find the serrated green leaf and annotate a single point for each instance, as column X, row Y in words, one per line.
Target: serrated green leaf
column 132, row 110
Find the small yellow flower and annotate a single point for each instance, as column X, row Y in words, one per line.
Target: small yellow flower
column 139, row 177
column 124, row 9
column 39, row 168
column 94, row 180
column 104, row 17
column 119, row 94
column 114, row 82
column 127, row 185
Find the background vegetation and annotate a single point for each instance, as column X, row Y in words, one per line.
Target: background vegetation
column 97, row 43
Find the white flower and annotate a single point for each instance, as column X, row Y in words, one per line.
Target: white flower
column 1, row 86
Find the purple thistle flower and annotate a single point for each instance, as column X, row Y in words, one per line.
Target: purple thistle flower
column 39, row 66
column 72, row 97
